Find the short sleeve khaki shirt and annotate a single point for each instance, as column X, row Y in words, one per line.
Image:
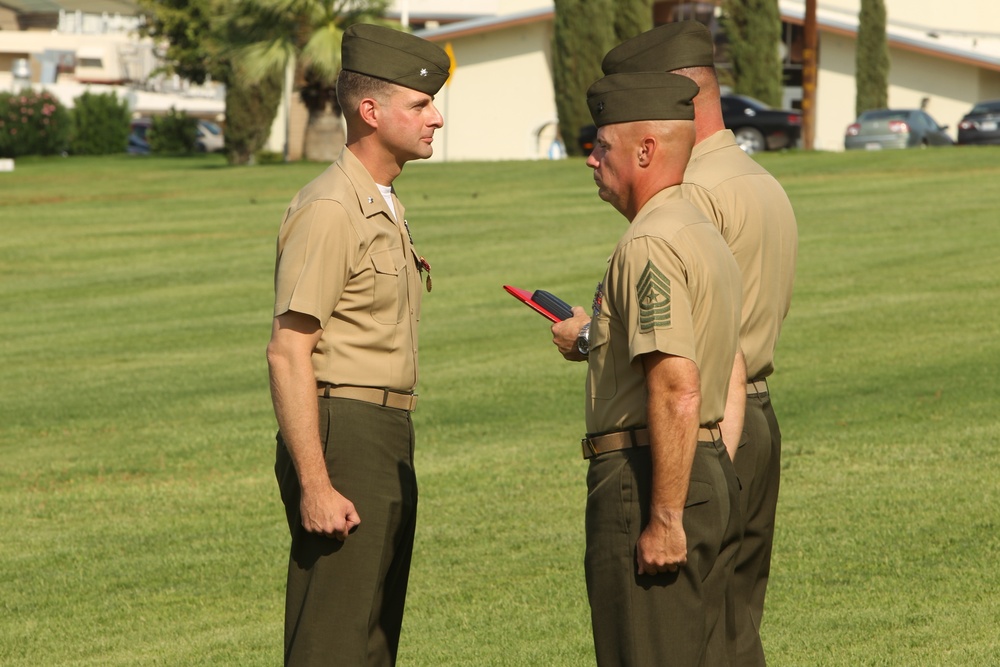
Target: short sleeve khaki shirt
column 753, row 213
column 345, row 259
column 671, row 286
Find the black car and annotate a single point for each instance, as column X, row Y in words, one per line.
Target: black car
column 981, row 125
column 586, row 138
column 759, row 127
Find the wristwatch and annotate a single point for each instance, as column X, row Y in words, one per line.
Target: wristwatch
column 583, row 340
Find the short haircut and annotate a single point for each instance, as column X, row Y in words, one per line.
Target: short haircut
column 352, row 87
column 706, row 77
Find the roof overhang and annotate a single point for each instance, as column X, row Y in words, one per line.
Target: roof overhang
column 486, row 24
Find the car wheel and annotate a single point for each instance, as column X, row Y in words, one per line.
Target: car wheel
column 750, row 140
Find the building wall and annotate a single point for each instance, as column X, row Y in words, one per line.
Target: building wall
column 957, row 15
column 499, row 104
column 835, row 91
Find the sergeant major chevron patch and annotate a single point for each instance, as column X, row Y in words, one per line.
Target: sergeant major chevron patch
column 653, row 290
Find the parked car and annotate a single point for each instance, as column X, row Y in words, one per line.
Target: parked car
column 209, row 140
column 758, row 126
column 981, row 125
column 895, row 128
column 586, row 138
column 138, row 142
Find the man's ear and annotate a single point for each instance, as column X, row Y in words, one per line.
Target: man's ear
column 647, row 149
column 369, row 111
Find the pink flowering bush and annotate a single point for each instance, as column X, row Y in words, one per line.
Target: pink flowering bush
column 32, row 123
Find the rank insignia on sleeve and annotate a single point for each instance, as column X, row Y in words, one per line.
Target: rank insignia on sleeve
column 653, row 291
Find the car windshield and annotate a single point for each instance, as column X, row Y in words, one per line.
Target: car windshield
column 986, row 107
column 751, row 102
column 884, row 114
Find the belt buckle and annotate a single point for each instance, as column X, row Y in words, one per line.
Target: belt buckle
column 588, row 446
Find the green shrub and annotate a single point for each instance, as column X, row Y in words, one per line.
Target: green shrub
column 176, row 132
column 32, row 123
column 100, row 124
column 269, row 157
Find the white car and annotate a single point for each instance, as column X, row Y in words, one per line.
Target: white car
column 210, row 139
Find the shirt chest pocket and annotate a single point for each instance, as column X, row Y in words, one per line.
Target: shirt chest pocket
column 389, row 287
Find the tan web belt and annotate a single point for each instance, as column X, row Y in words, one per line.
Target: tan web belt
column 757, row 388
column 399, row 400
column 595, row 445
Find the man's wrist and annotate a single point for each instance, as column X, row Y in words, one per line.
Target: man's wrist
column 583, row 340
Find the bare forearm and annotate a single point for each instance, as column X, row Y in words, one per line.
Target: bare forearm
column 293, row 394
column 674, row 402
column 673, row 429
column 736, row 403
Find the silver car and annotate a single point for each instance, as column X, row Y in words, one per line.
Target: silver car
column 895, row 128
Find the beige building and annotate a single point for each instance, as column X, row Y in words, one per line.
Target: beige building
column 70, row 47
column 499, row 103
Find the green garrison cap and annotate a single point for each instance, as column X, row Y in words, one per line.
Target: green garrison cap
column 665, row 48
column 632, row 96
column 395, row 56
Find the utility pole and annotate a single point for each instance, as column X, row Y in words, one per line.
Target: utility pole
column 809, row 76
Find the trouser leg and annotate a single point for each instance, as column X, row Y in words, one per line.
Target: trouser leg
column 758, row 466
column 344, row 600
column 662, row 620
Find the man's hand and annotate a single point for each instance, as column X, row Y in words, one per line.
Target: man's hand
column 565, row 333
column 662, row 547
column 327, row 512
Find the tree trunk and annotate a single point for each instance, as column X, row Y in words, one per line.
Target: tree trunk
column 325, row 137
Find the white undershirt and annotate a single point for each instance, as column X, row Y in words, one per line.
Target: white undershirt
column 386, row 191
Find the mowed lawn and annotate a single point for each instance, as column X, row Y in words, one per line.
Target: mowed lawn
column 139, row 516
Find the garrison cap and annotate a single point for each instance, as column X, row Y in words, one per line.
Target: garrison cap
column 395, row 56
column 634, row 96
column 665, row 48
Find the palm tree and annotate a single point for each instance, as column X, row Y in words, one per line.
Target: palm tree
column 304, row 36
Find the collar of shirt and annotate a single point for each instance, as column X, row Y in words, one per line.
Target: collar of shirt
column 369, row 198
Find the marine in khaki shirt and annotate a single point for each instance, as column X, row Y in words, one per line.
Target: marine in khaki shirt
column 661, row 506
column 346, row 259
column 754, row 216
column 669, row 288
column 342, row 361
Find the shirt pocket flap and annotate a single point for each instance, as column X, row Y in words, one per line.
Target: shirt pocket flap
column 386, row 262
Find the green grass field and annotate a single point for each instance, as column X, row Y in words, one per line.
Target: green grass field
column 140, row 519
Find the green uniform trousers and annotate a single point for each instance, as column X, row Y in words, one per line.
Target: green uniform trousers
column 758, row 467
column 344, row 600
column 676, row 619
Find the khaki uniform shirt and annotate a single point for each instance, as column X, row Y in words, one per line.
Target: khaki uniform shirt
column 753, row 213
column 344, row 259
column 671, row 286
